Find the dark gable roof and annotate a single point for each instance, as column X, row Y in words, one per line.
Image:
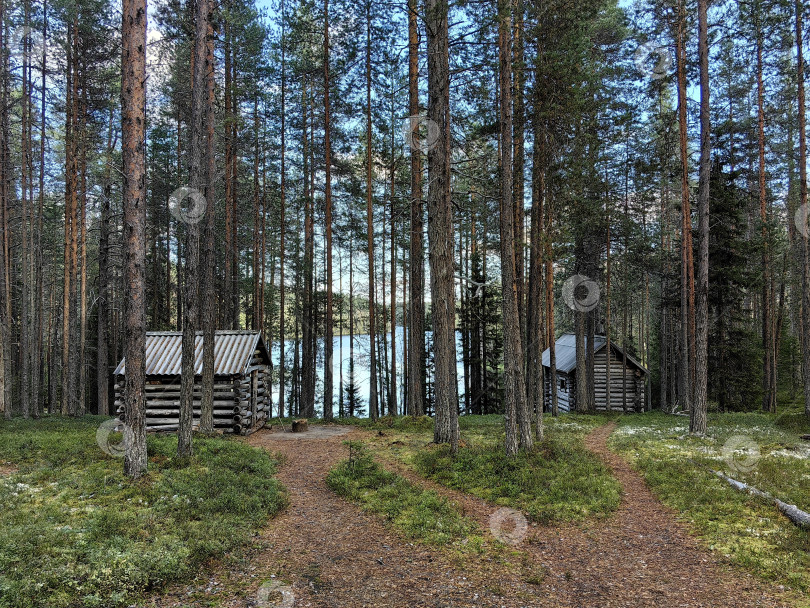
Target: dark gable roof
column 566, row 353
column 233, row 351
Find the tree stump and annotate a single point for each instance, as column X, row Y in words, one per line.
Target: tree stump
column 299, row 426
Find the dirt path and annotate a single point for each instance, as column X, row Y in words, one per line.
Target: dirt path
column 640, row 556
column 331, row 554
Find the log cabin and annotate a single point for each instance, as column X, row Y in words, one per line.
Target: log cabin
column 242, row 399
column 628, row 378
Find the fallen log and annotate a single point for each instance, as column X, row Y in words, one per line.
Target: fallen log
column 792, row 512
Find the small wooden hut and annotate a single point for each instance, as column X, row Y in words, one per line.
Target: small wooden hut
column 241, row 381
column 628, row 378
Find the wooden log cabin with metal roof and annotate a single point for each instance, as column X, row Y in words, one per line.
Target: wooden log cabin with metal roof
column 628, row 377
column 242, row 401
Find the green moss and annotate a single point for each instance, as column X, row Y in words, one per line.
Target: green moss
column 75, row 531
column 746, row 530
column 559, row 480
column 418, row 513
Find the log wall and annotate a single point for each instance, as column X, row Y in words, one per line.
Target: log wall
column 631, row 401
column 241, row 404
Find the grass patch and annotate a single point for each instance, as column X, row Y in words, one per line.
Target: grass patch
column 748, row 531
column 76, row 532
column 418, row 513
column 559, row 480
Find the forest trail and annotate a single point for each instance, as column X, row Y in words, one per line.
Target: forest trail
column 639, row 556
column 334, row 555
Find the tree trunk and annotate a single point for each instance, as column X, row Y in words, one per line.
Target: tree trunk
column 518, row 425
column 199, row 99
column 518, row 146
column 227, row 313
column 805, row 317
column 308, row 317
column 5, row 318
column 440, row 227
column 416, row 358
column 282, row 221
column 373, row 405
column 392, row 385
column 25, row 224
column 102, row 350
column 71, row 187
column 328, row 373
column 133, row 115
column 687, row 268
column 209, row 181
column 768, row 341
column 697, row 421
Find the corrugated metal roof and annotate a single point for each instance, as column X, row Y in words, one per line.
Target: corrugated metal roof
column 232, row 352
column 566, row 352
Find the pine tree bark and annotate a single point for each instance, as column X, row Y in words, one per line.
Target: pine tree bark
column 686, row 375
column 328, row 374
column 517, row 421
column 5, row 318
column 199, row 98
column 209, row 180
column 36, row 353
column 518, row 145
column 133, row 116
column 805, row 316
column 392, row 385
column 71, row 228
column 768, row 340
column 416, row 357
column 373, row 404
column 440, row 227
column 697, row 420
column 282, row 379
column 227, row 314
column 308, row 316
column 258, row 254
column 25, row 217
column 102, row 348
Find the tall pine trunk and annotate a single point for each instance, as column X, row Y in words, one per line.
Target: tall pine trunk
column 5, row 318
column 282, row 222
column 196, row 171
column 416, row 358
column 805, row 318
column 104, row 292
column 328, row 373
column 440, row 227
column 373, row 404
column 686, row 375
column 697, row 420
column 768, row 340
column 209, row 178
column 133, row 116
column 518, row 425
